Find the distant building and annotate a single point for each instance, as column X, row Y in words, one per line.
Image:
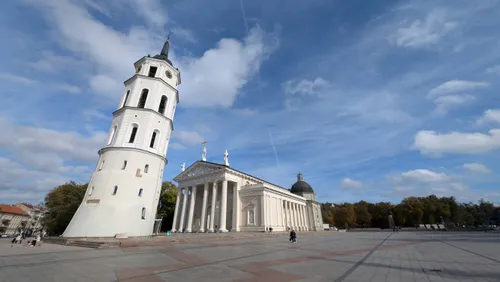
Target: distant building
column 13, row 219
column 36, row 214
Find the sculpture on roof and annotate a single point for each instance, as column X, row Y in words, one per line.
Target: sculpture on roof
column 226, row 158
column 183, row 166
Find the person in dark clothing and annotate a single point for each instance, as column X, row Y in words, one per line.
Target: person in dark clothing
column 293, row 236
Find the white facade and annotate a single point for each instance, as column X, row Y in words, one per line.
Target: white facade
column 124, row 190
column 216, row 198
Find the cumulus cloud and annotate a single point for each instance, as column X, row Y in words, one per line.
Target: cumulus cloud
column 111, row 53
column 435, row 143
column 424, row 182
column 476, row 167
column 304, row 86
column 16, row 78
column 423, row 33
column 454, row 86
column 348, row 183
column 421, row 175
column 445, row 103
column 236, row 62
column 490, row 115
column 31, row 140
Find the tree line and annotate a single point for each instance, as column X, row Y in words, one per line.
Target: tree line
column 411, row 212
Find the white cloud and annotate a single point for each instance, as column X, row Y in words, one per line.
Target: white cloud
column 188, row 138
column 184, row 34
column 434, row 143
column 305, row 86
column 424, row 33
column 16, row 78
column 490, row 115
column 68, row 88
column 67, row 144
column 421, row 175
column 454, row 86
column 50, row 62
column 445, row 103
column 111, row 53
column 235, row 61
column 90, row 114
column 348, row 183
column 493, row 70
column 476, row 167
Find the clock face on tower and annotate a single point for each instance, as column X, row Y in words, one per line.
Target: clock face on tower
column 169, row 74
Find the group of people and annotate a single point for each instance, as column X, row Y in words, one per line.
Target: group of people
column 34, row 242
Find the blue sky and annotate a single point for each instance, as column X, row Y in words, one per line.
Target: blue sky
column 373, row 100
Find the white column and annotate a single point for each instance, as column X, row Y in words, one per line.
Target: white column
column 301, row 208
column 183, row 211
column 294, row 211
column 307, row 218
column 278, row 212
column 189, row 228
column 236, row 208
column 283, row 218
column 204, row 207
column 288, row 217
column 269, row 212
column 176, row 212
column 263, row 222
column 223, row 207
column 212, row 208
column 299, row 222
column 304, row 208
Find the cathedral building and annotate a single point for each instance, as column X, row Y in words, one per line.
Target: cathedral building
column 217, row 198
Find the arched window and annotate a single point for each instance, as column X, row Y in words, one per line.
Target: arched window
column 115, row 190
column 112, row 135
column 91, row 190
column 144, row 97
column 153, row 139
column 126, row 99
column 146, row 168
column 140, row 192
column 132, row 135
column 163, row 104
column 143, row 213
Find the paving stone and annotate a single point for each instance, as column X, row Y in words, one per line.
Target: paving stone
column 326, row 256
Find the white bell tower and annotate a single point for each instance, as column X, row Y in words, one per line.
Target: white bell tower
column 124, row 190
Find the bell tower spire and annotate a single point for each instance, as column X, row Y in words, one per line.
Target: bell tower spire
column 166, row 46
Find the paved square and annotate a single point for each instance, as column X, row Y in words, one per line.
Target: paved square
column 325, row 256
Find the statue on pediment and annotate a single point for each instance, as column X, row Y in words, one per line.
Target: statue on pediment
column 204, row 154
column 226, row 158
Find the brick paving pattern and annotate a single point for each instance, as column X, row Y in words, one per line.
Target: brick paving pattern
column 365, row 256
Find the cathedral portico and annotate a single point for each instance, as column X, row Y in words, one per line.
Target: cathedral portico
column 217, row 198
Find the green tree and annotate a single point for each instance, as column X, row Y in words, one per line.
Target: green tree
column 62, row 203
column 363, row 217
column 166, row 205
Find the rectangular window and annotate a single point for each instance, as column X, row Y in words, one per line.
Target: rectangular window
column 101, row 165
column 152, row 71
column 124, row 164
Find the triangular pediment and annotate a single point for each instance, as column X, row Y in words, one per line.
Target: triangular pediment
column 198, row 168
